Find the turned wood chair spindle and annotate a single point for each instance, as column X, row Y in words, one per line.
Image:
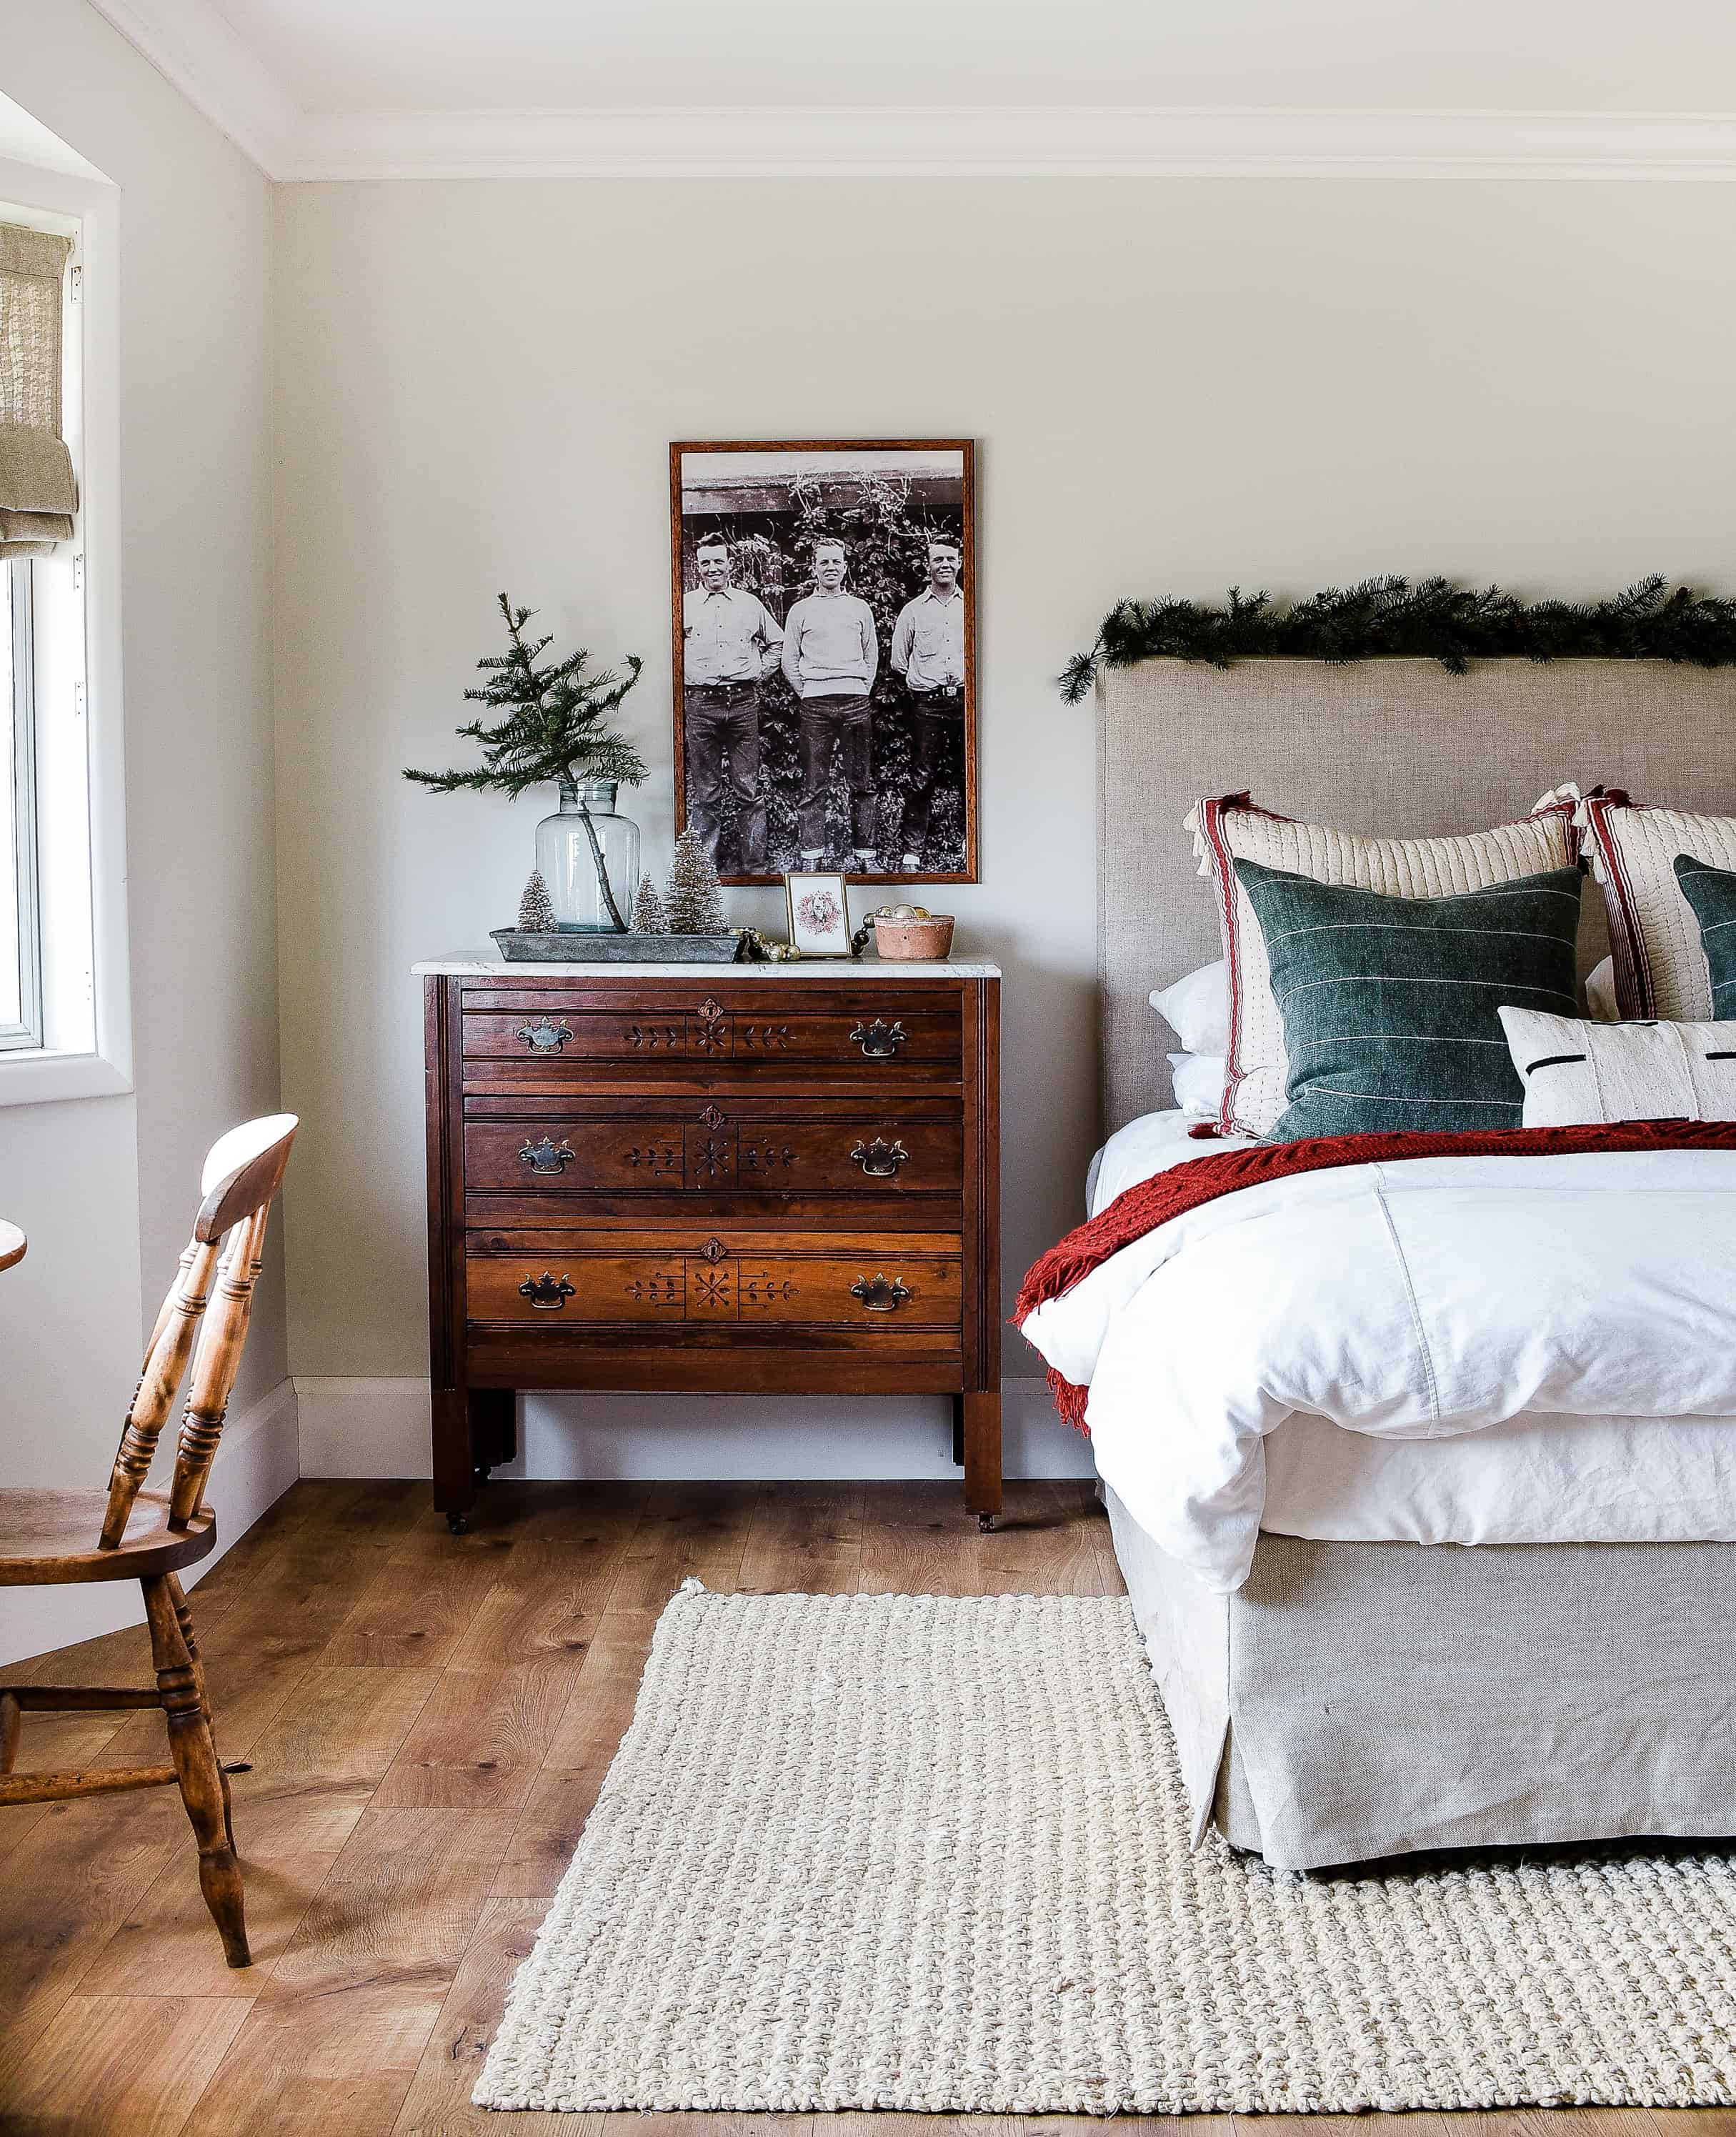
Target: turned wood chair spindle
column 128, row 1533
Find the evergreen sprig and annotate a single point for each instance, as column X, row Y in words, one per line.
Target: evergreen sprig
column 1432, row 619
column 555, row 723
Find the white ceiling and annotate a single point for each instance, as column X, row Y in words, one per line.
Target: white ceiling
column 346, row 56
column 414, row 88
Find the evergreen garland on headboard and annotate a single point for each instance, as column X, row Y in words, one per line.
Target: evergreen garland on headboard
column 1433, row 619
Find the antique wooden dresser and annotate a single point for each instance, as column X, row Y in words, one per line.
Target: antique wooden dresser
column 721, row 1177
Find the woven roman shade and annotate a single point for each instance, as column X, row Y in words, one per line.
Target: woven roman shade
column 38, row 493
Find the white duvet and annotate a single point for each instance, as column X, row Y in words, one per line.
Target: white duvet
column 1421, row 1299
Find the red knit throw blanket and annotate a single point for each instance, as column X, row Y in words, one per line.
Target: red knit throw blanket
column 1201, row 1180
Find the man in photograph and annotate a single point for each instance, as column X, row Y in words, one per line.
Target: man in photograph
column 928, row 655
column 830, row 655
column 730, row 643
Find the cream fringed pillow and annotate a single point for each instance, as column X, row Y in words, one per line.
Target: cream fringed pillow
column 1654, row 936
column 1575, row 1071
column 1234, row 829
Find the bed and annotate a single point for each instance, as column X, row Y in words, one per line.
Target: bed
column 1471, row 1642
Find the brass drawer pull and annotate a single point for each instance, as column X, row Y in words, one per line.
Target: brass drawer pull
column 880, row 1159
column 544, row 1037
column 545, row 1293
column 879, row 1294
column 548, row 1158
column 880, row 1041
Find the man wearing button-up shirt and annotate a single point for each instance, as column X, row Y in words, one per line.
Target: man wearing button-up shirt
column 730, row 642
column 928, row 652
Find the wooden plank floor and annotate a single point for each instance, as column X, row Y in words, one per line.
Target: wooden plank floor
column 428, row 1720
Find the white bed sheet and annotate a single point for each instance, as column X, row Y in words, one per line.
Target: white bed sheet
column 1536, row 1478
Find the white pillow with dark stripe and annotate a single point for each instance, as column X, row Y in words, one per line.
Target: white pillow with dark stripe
column 1575, row 1072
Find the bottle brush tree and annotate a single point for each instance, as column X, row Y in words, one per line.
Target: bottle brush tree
column 537, row 908
column 552, row 725
column 648, row 916
column 695, row 902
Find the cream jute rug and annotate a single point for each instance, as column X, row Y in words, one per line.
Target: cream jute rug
column 924, row 1853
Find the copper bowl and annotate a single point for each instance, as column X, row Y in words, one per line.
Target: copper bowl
column 929, row 939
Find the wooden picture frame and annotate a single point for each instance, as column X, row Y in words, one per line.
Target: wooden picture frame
column 899, row 778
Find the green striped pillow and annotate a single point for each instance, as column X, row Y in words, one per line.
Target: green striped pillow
column 1712, row 894
column 1389, row 1004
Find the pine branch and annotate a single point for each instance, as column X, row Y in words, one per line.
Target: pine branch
column 1431, row 619
column 554, row 720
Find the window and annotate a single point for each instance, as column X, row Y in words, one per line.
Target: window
column 20, row 945
column 65, row 1027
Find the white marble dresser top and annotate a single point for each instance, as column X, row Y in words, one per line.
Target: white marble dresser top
column 808, row 968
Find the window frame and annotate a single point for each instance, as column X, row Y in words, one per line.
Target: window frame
column 85, row 991
column 19, row 609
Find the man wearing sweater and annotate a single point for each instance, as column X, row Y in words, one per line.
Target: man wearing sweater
column 830, row 655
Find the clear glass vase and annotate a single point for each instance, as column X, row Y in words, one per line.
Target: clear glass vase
column 588, row 855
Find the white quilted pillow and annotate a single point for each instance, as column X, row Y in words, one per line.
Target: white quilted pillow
column 1232, row 829
column 1660, row 969
column 1574, row 1071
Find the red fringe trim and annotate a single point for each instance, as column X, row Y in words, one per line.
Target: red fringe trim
column 1202, row 1179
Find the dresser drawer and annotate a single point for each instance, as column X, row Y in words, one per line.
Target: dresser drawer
column 702, row 1147
column 590, row 1279
column 571, row 1035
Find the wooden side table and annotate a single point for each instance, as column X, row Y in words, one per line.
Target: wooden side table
column 726, row 1178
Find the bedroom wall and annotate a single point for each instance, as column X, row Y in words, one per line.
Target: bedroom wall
column 1175, row 386
column 107, row 1187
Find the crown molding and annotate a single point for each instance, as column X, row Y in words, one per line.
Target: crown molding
column 219, row 75
column 1095, row 141
column 195, row 46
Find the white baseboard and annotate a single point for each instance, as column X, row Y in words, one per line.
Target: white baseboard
column 257, row 1461
column 379, row 1428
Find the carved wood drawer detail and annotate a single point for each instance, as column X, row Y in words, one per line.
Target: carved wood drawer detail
column 880, row 1035
column 710, row 1147
column 587, row 1280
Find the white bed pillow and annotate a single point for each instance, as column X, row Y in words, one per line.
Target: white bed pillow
column 1575, row 1071
column 1600, row 992
column 1232, row 829
column 1197, row 1009
column 1660, row 968
column 1198, row 1080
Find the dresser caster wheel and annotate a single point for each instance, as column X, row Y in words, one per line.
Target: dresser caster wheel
column 985, row 1523
column 458, row 1524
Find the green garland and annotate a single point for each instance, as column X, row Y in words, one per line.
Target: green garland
column 1433, row 619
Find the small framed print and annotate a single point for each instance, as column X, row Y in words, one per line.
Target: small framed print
column 820, row 920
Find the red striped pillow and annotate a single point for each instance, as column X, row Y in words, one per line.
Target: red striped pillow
column 1654, row 936
column 1232, row 828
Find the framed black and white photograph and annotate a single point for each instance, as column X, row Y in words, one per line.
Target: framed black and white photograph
column 819, row 915
column 825, row 648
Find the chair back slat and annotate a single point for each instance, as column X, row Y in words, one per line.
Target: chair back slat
column 216, row 1364
column 159, row 1381
column 243, row 1173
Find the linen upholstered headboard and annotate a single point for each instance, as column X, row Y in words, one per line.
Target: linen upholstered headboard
column 1384, row 746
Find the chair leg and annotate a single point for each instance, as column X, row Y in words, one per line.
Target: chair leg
column 184, row 1619
column 195, row 1756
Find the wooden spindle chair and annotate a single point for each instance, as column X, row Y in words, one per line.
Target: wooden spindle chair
column 126, row 1533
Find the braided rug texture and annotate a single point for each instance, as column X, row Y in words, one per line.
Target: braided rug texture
column 931, row 1853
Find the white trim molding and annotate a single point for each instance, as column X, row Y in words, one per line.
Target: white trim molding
column 200, row 51
column 380, row 1428
column 257, row 1462
column 197, row 49
column 1086, row 143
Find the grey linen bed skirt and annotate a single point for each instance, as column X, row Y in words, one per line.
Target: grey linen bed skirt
column 1360, row 1699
